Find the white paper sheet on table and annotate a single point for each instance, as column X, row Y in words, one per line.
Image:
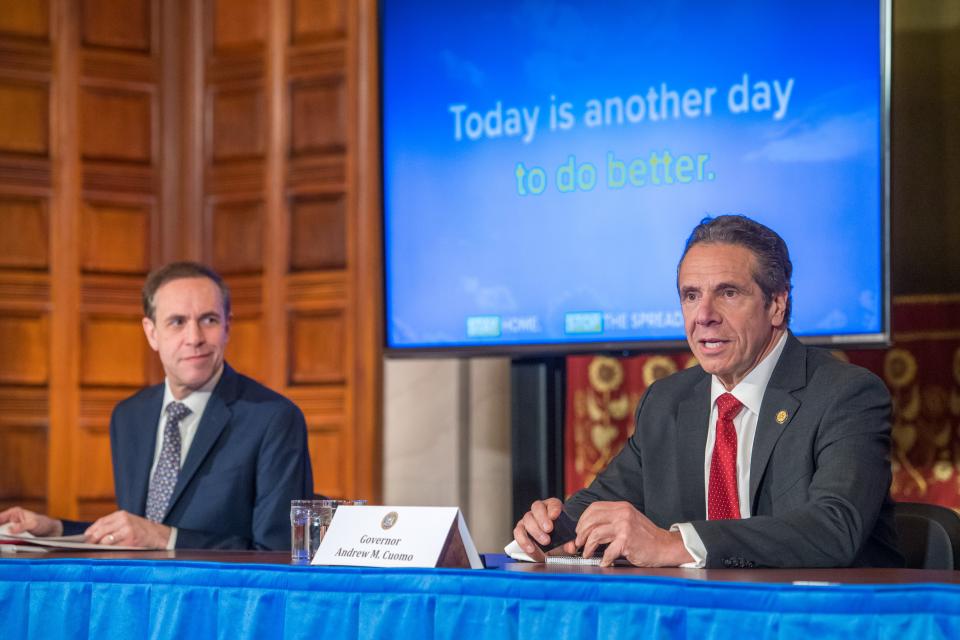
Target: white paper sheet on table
column 73, row 543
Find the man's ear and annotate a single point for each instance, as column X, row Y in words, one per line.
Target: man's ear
column 150, row 330
column 778, row 309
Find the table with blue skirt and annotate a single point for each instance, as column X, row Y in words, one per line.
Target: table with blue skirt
column 182, row 595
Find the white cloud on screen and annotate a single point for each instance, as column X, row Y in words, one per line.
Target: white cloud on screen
column 496, row 298
column 405, row 333
column 462, row 69
column 868, row 301
column 551, row 61
column 870, row 306
column 836, row 319
column 836, row 138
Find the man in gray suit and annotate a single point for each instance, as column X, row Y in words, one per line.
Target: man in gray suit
column 768, row 454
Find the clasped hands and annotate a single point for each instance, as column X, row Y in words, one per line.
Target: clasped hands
column 626, row 532
column 118, row 528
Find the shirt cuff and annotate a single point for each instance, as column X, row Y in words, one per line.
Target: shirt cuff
column 694, row 545
column 172, row 542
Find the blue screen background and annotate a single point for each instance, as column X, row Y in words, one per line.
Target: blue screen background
column 462, row 242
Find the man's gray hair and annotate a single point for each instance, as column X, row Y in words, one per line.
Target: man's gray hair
column 773, row 267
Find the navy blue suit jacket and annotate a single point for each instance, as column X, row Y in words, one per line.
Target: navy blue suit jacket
column 248, row 460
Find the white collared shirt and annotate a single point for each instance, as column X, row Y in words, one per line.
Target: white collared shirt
column 749, row 392
column 196, row 401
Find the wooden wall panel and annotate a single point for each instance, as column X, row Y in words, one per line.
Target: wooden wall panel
column 239, row 24
column 26, row 481
column 328, row 467
column 227, row 131
column 24, row 110
column 96, row 407
column 89, row 509
column 115, row 238
column 237, row 126
column 318, row 116
column 316, row 21
column 96, row 482
column 113, row 352
column 24, row 342
column 317, row 342
column 24, row 242
column 27, row 251
column 25, row 18
column 244, row 352
column 237, row 237
column 318, row 237
column 246, row 349
column 119, row 24
column 93, row 487
column 23, row 444
column 124, row 130
column 116, row 125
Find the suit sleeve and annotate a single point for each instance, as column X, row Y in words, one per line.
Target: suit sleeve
column 621, row 479
column 283, row 474
column 849, row 482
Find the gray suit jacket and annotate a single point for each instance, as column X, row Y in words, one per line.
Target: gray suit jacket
column 819, row 482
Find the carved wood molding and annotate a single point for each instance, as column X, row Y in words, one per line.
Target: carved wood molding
column 236, row 178
column 24, row 172
column 111, row 294
column 96, row 406
column 24, row 291
column 317, row 173
column 322, row 406
column 119, row 177
column 316, row 60
column 315, row 290
column 246, row 293
column 24, row 408
column 25, row 57
column 120, row 69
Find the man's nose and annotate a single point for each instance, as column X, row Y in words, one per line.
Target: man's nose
column 707, row 311
column 194, row 333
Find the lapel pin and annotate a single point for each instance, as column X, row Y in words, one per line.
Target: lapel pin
column 781, row 416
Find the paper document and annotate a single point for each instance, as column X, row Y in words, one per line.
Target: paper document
column 555, row 557
column 516, row 552
column 74, row 543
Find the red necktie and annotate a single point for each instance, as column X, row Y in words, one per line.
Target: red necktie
column 723, row 502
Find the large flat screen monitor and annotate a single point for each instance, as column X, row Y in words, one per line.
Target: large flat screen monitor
column 544, row 162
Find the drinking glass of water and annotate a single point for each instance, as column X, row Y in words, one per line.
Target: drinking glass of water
column 300, row 521
column 321, row 513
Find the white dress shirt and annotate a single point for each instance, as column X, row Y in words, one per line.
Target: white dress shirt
column 197, row 403
column 749, row 392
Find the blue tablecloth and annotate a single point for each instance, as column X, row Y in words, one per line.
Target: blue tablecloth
column 109, row 600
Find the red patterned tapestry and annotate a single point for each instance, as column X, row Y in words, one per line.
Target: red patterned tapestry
column 602, row 394
column 921, row 369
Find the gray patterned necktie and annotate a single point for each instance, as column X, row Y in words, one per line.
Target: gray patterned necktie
column 168, row 467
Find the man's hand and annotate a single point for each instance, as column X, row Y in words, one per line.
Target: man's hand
column 629, row 534
column 128, row 530
column 536, row 525
column 22, row 520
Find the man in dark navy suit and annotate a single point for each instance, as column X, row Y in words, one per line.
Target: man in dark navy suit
column 208, row 459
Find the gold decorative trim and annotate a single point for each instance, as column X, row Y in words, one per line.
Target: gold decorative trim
column 913, row 336
column 926, row 298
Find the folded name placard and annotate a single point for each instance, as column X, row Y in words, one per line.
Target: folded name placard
column 398, row 537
